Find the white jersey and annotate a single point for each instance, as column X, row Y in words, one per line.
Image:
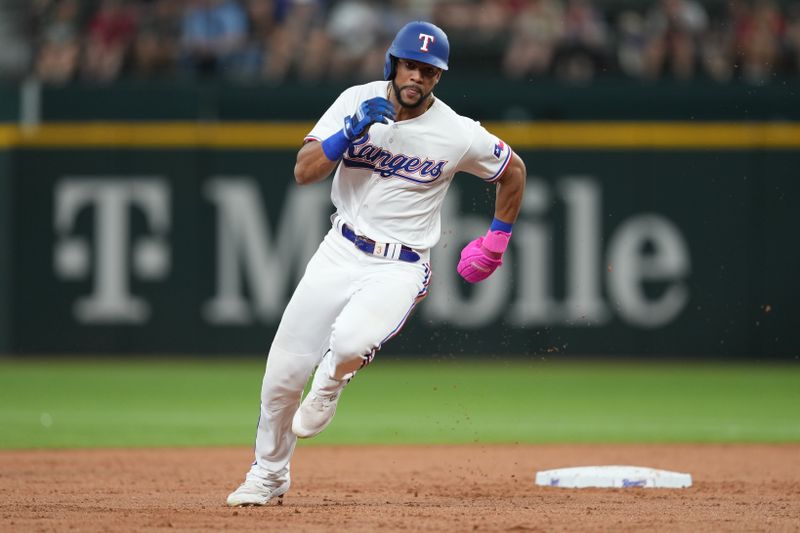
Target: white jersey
column 391, row 183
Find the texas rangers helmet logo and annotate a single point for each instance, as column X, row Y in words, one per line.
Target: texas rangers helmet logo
column 425, row 40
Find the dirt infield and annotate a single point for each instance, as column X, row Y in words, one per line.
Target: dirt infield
column 412, row 488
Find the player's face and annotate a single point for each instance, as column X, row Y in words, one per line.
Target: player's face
column 414, row 82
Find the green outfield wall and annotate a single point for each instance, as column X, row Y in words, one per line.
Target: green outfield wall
column 128, row 232
column 6, row 259
column 482, row 99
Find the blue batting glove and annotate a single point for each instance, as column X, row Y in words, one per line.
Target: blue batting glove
column 374, row 110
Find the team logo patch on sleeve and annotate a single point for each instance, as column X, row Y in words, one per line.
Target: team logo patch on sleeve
column 499, row 148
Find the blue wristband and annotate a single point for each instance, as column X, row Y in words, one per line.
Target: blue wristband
column 335, row 145
column 499, row 225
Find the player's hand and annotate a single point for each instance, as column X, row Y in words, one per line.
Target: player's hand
column 370, row 111
column 482, row 256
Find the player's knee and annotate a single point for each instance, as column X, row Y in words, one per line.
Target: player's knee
column 347, row 345
column 350, row 353
column 285, row 377
column 279, row 394
column 344, row 368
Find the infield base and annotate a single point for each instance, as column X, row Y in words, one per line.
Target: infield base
column 613, row 477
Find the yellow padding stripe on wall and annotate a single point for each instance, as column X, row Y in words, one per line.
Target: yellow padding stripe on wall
column 289, row 135
column 651, row 135
column 222, row 135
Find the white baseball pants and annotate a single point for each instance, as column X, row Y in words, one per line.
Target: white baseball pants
column 348, row 302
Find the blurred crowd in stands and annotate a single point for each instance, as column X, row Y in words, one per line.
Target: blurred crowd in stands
column 58, row 41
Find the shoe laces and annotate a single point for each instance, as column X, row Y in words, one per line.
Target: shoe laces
column 322, row 402
column 268, row 484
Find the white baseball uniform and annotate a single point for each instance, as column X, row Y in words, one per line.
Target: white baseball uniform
column 373, row 265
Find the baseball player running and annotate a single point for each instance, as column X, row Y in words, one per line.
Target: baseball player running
column 395, row 148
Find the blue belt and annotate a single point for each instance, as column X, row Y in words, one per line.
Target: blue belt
column 369, row 246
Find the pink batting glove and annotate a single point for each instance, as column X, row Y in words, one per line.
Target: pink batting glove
column 482, row 256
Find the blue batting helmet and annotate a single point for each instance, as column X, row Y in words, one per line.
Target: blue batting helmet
column 420, row 41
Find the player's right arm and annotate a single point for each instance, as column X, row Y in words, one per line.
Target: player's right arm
column 312, row 164
column 316, row 160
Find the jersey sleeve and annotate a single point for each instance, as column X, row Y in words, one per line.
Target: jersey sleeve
column 333, row 119
column 487, row 156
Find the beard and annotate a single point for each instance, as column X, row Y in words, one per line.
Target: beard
column 406, row 104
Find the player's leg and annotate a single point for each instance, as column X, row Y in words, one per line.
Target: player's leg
column 382, row 301
column 300, row 341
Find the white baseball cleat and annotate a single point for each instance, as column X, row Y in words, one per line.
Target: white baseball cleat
column 315, row 413
column 258, row 491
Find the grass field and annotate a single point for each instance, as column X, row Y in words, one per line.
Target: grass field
column 112, row 403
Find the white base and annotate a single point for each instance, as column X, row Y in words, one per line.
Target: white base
column 613, row 477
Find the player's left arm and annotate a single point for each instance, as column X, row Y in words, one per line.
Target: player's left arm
column 484, row 255
column 510, row 188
